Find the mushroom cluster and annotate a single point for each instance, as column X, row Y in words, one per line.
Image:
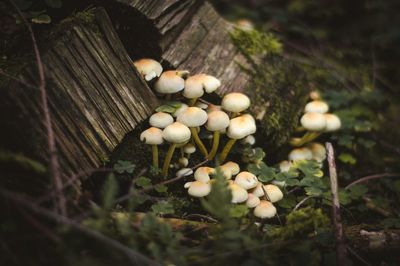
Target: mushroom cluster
column 244, row 186
column 182, row 126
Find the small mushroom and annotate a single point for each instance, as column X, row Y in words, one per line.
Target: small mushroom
column 252, row 200
column 274, row 194
column 313, row 121
column 194, row 117
column 183, row 162
column 284, row 166
column 332, row 122
column 300, row 154
column 180, row 109
column 249, row 140
column 148, row 68
column 265, row 210
column 217, row 122
column 171, row 82
column 184, row 172
column 175, row 133
column 239, row 194
column 246, row 180
column 318, row 151
column 203, row 173
column 230, row 169
column 316, row 107
column 235, row 102
column 198, row 189
column 197, row 84
column 153, row 137
column 161, row 120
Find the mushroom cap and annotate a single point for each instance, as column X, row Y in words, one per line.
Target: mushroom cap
column 176, row 133
column 184, row 172
column 333, row 122
column 313, row 121
column 273, row 192
column 183, row 161
column 316, row 107
column 199, row 189
column 246, row 180
column 180, row 110
column 232, row 167
column 315, row 95
column 201, row 105
column 318, row 151
column 241, row 127
column 192, row 117
column 250, row 140
column 300, row 154
column 203, row 173
column 161, row 120
column 217, row 121
column 153, row 136
column 189, row 148
column 196, row 85
column 239, row 194
column 284, row 166
column 252, row 200
column 235, row 102
column 148, row 68
column 258, row 191
column 169, row 82
column 212, row 107
column 265, row 210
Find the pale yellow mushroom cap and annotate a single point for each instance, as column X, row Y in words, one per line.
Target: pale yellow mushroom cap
column 217, row 121
column 315, row 95
column 316, row 107
column 235, row 102
column 203, row 173
column 176, row 133
column 252, row 200
column 245, row 24
column 184, row 172
column 332, row 122
column 180, row 110
column 192, row 117
column 232, row 167
column 258, row 191
column 265, row 210
column 189, row 148
column 300, row 154
column 196, row 85
column 170, row 82
column 273, row 192
column 148, row 68
column 284, row 166
column 183, row 161
column 313, row 121
column 201, row 105
column 239, row 194
column 318, row 151
column 161, row 120
column 198, row 189
column 213, row 107
column 241, row 127
column 152, row 136
column 250, row 140
column 246, row 180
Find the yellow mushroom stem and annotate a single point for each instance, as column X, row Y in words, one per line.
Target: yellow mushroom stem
column 192, row 101
column 198, row 141
column 226, row 150
column 215, row 145
column 168, row 158
column 308, row 137
column 155, row 155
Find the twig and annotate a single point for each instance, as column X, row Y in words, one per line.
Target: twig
column 135, row 257
column 370, row 177
column 298, row 205
column 266, row 197
column 60, row 200
column 340, row 242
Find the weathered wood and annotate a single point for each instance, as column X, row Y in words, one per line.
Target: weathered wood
column 95, row 95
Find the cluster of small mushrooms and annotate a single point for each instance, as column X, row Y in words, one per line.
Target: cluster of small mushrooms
column 181, row 129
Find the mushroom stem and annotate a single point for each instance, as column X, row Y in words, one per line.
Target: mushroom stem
column 192, row 101
column 155, row 155
column 198, row 141
column 225, row 151
column 215, row 144
column 309, row 136
column 168, row 158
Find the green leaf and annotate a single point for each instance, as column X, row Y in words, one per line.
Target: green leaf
column 238, row 211
column 288, row 202
column 109, row 191
column 161, row 188
column 143, row 181
column 41, row 19
column 124, row 167
column 344, row 197
column 136, row 199
column 313, row 191
column 263, row 172
column 357, row 191
column 54, row 3
column 163, row 207
column 347, row 158
column 292, row 182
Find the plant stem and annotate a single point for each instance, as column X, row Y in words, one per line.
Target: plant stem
column 215, row 145
column 192, row 101
column 198, row 141
column 226, row 150
column 309, row 136
column 155, row 155
column 168, row 159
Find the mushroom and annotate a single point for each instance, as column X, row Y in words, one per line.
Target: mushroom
column 332, row 122
column 184, row 172
column 153, row 137
column 239, row 127
column 318, row 151
column 300, row 154
column 203, row 173
column 183, row 161
column 148, row 68
column 246, row 180
column 316, row 107
column 194, row 117
column 313, row 121
column 284, row 166
column 249, row 140
column 265, row 210
column 171, row 82
column 217, row 122
column 189, row 149
column 180, row 109
column 315, row 95
column 252, row 200
column 235, row 102
column 229, row 169
column 197, row 84
column 273, row 193
column 161, row 120
column 198, row 189
column 239, row 194
column 176, row 133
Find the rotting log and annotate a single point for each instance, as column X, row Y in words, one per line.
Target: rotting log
column 95, row 96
